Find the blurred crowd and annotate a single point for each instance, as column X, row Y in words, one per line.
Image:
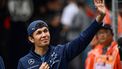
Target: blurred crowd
column 66, row 18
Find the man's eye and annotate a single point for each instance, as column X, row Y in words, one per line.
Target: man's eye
column 39, row 32
column 45, row 30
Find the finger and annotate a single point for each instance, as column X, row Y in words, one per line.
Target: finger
column 42, row 65
column 95, row 3
column 47, row 66
column 103, row 1
column 100, row 1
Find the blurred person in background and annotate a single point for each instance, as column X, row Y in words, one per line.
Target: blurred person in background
column 108, row 17
column 105, row 55
column 45, row 56
column 5, row 26
column 1, row 63
column 56, row 29
column 45, row 9
column 80, row 21
column 69, row 11
column 20, row 11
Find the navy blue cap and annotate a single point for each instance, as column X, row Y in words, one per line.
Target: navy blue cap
column 107, row 27
column 35, row 25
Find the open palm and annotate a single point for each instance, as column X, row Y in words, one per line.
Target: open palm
column 100, row 5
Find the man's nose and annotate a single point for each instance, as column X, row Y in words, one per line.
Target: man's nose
column 43, row 34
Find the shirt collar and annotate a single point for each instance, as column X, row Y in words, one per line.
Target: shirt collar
column 44, row 57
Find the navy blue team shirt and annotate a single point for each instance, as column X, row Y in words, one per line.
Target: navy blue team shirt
column 59, row 56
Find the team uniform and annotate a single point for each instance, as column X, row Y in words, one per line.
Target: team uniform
column 59, row 56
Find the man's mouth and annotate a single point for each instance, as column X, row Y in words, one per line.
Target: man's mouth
column 45, row 40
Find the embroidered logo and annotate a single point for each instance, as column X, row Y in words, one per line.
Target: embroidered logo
column 31, row 61
column 54, row 59
column 33, row 29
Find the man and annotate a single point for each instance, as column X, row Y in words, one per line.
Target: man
column 105, row 55
column 1, row 63
column 46, row 56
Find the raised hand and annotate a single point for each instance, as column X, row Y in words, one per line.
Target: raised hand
column 44, row 66
column 100, row 5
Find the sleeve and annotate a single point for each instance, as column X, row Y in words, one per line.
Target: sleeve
column 1, row 63
column 84, row 55
column 20, row 66
column 75, row 47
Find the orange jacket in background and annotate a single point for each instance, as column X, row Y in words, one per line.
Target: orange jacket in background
column 110, row 58
column 108, row 20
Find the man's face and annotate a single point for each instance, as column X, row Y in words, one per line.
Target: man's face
column 41, row 37
column 104, row 35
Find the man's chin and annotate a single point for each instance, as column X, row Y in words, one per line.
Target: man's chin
column 102, row 41
column 46, row 44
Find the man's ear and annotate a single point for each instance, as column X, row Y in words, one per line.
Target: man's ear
column 31, row 39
